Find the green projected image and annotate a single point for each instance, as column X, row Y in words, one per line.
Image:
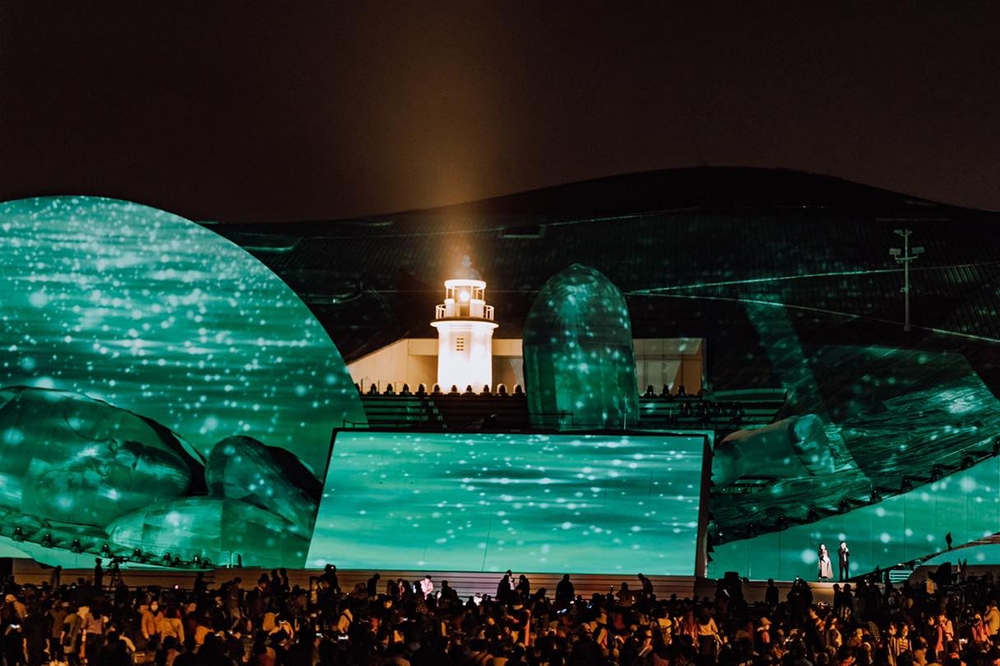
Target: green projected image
column 579, row 361
column 159, row 388
column 902, row 528
column 544, row 503
column 904, row 452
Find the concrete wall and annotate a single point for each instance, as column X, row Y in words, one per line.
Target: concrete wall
column 659, row 361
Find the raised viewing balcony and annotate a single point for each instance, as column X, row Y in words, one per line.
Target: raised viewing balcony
column 464, row 311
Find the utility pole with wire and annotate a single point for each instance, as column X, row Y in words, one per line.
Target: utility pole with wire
column 905, row 256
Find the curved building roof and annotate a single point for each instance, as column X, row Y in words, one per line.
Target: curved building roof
column 787, row 276
column 689, row 248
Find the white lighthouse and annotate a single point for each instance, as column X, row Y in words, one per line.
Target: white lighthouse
column 465, row 333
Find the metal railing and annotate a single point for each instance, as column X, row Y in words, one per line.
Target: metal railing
column 441, row 312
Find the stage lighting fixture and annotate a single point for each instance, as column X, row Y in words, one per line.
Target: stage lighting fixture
column 106, row 550
column 48, row 541
column 76, row 546
column 166, row 558
column 18, row 534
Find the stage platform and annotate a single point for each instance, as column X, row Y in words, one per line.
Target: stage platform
column 466, row 583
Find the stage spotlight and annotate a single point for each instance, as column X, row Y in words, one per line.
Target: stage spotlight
column 968, row 461
column 48, row 541
column 18, row 534
column 197, row 560
column 105, row 550
column 76, row 546
column 876, row 496
column 166, row 559
column 137, row 554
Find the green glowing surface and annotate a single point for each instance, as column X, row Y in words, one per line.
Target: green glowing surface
column 544, row 503
column 579, row 362
column 899, row 529
column 144, row 339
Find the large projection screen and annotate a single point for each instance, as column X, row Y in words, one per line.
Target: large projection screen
column 161, row 391
column 582, row 503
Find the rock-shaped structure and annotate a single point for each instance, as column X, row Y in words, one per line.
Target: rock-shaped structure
column 245, row 469
column 791, row 448
column 579, row 362
column 165, row 317
column 68, row 458
column 211, row 527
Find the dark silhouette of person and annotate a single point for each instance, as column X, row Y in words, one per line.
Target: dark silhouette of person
column 564, row 592
column 771, row 595
column 98, row 575
column 947, row 540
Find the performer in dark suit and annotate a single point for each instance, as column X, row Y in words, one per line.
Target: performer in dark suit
column 844, row 560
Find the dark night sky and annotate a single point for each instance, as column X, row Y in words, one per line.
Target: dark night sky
column 224, row 110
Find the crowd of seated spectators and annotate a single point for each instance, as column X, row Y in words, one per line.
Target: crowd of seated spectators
column 428, row 623
column 421, row 391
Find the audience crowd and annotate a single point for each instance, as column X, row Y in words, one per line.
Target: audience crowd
column 269, row 622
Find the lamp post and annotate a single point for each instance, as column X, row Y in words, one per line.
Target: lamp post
column 905, row 256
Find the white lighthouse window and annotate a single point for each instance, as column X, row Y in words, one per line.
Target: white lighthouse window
column 460, row 343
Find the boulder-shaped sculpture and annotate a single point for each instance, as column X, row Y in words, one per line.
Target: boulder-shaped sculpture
column 164, row 317
column 216, row 528
column 68, row 458
column 245, row 469
column 579, row 362
column 793, row 447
